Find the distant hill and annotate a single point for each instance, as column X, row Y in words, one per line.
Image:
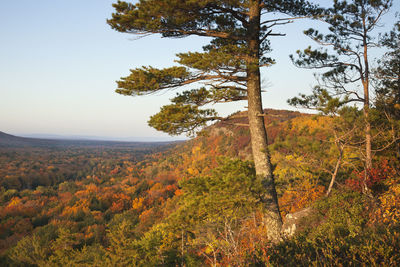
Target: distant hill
column 8, row 140
column 4, row 136
column 101, row 138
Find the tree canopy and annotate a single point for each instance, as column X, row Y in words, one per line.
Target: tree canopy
column 223, row 64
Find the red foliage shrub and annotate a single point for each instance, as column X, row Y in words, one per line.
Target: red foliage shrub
column 374, row 178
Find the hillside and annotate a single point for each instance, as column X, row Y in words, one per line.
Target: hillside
column 26, row 163
column 4, row 136
column 8, row 140
column 11, row 140
column 185, row 203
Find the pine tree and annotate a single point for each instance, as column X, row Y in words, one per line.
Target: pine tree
column 229, row 67
column 350, row 38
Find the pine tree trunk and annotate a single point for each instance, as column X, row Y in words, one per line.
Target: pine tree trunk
column 259, row 140
column 368, row 142
column 368, row 150
column 365, row 82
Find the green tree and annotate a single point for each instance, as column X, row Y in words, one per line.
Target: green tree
column 229, row 67
column 212, row 213
column 350, row 39
column 122, row 251
column 30, row 251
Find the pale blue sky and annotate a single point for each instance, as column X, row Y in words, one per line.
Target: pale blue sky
column 59, row 61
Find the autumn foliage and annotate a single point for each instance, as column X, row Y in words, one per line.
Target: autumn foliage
column 193, row 206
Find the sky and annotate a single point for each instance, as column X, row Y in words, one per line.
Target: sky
column 59, row 61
